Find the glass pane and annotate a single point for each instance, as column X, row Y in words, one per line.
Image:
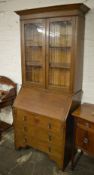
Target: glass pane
column 34, row 74
column 59, row 77
column 60, row 34
column 60, row 43
column 33, row 55
column 34, row 52
column 59, row 56
column 33, row 34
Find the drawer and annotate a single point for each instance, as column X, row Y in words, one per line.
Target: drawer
column 55, row 153
column 25, row 130
column 85, row 124
column 85, row 140
column 50, row 137
column 25, row 137
column 48, row 123
column 22, row 117
column 49, row 148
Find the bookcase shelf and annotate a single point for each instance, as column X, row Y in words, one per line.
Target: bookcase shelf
column 59, row 65
column 33, row 64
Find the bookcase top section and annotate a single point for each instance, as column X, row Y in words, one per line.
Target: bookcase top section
column 43, row 102
column 69, row 7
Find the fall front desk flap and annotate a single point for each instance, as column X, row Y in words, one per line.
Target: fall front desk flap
column 43, row 102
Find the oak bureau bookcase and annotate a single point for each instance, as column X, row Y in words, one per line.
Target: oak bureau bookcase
column 52, row 41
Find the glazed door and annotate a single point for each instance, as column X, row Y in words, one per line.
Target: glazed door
column 59, row 49
column 33, row 51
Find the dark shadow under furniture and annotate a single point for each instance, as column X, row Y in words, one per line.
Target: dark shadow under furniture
column 8, row 90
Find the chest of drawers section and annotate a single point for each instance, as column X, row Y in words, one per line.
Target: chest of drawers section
column 84, row 135
column 40, row 132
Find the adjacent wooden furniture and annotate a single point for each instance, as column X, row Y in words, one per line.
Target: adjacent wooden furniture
column 8, row 91
column 52, row 41
column 84, row 128
column 7, row 96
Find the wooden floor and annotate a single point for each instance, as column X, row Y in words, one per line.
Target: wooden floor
column 32, row 162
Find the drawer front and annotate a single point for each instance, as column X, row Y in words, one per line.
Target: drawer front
column 85, row 140
column 49, row 148
column 48, row 123
column 23, row 117
column 25, row 130
column 25, row 137
column 55, row 153
column 50, row 137
column 85, row 124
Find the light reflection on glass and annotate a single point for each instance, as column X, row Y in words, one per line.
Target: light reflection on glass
column 41, row 30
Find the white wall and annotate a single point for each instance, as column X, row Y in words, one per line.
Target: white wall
column 10, row 62
column 88, row 73
column 10, row 56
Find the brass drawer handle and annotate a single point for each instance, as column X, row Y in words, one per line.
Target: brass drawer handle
column 50, row 137
column 49, row 148
column 85, row 140
column 25, row 128
column 49, row 126
column 24, row 118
